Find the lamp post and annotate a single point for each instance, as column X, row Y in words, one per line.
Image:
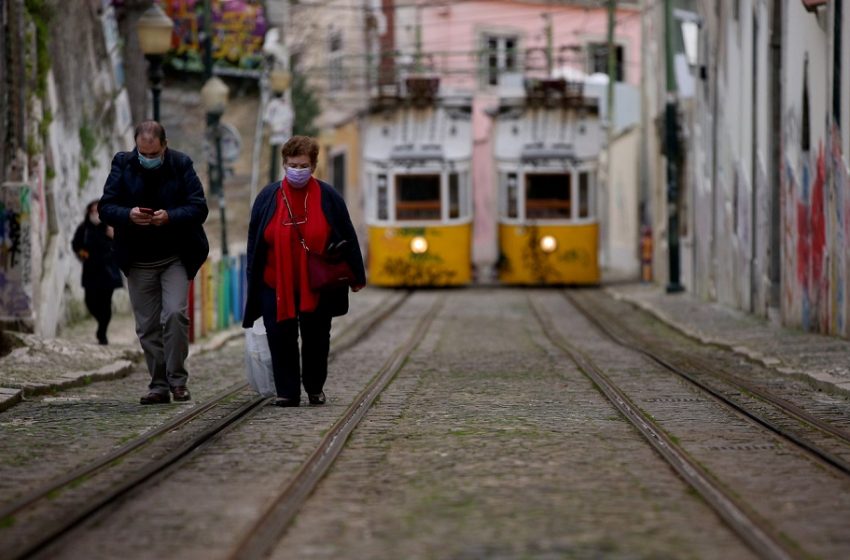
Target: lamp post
column 281, row 118
column 214, row 97
column 155, row 29
column 671, row 146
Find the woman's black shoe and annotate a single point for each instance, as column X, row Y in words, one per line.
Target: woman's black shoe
column 283, row 401
column 317, row 399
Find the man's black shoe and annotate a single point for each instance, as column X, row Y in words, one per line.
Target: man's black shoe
column 155, row 398
column 181, row 393
column 317, row 399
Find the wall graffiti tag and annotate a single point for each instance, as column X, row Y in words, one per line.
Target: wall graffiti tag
column 238, row 31
column 15, row 252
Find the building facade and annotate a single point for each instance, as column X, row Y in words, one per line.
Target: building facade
column 763, row 111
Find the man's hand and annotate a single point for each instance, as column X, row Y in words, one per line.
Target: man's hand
column 141, row 216
column 83, row 254
column 159, row 218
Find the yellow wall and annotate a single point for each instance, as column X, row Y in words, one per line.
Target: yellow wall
column 574, row 261
column 446, row 263
column 344, row 138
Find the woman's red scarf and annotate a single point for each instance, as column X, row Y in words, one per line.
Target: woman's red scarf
column 286, row 267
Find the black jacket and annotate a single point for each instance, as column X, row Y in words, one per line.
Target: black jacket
column 174, row 187
column 332, row 302
column 99, row 269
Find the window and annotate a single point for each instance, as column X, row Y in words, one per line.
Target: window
column 548, row 196
column 382, row 198
column 500, row 55
column 338, row 173
column 454, row 196
column 511, row 196
column 584, row 194
column 597, row 57
column 335, row 69
column 417, row 197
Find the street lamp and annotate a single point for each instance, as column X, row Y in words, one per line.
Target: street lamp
column 214, row 98
column 155, row 29
column 279, row 80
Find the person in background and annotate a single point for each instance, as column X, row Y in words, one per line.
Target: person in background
column 155, row 201
column 92, row 244
column 278, row 285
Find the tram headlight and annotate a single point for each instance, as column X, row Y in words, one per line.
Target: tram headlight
column 548, row 244
column 418, row 245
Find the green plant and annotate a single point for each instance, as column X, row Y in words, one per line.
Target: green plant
column 40, row 14
column 305, row 105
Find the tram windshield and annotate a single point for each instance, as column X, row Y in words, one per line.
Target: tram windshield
column 548, row 196
column 418, row 197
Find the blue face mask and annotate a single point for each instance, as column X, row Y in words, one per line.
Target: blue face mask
column 298, row 177
column 150, row 163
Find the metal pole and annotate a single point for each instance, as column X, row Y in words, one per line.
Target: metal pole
column 155, row 75
column 215, row 170
column 273, row 171
column 220, row 165
column 207, row 41
column 671, row 144
column 550, row 45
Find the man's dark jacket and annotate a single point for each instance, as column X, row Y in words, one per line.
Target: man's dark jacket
column 331, row 302
column 174, row 187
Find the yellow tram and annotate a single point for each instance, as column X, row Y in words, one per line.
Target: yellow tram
column 417, row 157
column 545, row 149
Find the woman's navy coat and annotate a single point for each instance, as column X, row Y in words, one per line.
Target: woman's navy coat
column 332, row 302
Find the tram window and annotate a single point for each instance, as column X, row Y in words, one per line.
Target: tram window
column 584, row 194
column 548, row 196
column 383, row 204
column 512, row 211
column 454, row 196
column 417, row 197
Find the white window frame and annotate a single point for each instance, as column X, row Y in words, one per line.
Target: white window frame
column 522, row 171
column 464, row 184
column 501, row 36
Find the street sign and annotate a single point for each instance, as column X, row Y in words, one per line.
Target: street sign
column 279, row 117
column 231, row 144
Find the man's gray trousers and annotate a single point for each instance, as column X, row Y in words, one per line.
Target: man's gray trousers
column 159, row 299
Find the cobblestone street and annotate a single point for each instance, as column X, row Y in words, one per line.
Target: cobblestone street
column 489, row 441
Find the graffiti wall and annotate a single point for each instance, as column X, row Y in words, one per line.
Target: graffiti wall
column 238, row 31
column 15, row 253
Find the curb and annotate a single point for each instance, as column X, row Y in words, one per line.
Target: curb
column 10, row 396
column 770, row 362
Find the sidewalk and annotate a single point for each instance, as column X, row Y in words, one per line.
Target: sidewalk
column 825, row 360
column 37, row 366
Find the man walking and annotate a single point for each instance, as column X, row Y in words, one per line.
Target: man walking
column 155, row 202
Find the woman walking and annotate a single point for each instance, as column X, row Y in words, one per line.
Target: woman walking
column 288, row 219
column 92, row 244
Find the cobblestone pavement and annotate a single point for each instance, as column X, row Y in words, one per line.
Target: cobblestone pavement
column 807, row 503
column 821, row 359
column 491, row 445
column 200, row 511
column 45, row 437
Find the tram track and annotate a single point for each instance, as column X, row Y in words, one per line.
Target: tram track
column 259, row 541
column 764, row 539
column 705, row 376
column 156, row 469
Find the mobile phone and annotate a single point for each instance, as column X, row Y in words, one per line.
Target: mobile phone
column 148, row 211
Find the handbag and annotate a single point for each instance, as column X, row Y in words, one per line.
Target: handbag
column 327, row 271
